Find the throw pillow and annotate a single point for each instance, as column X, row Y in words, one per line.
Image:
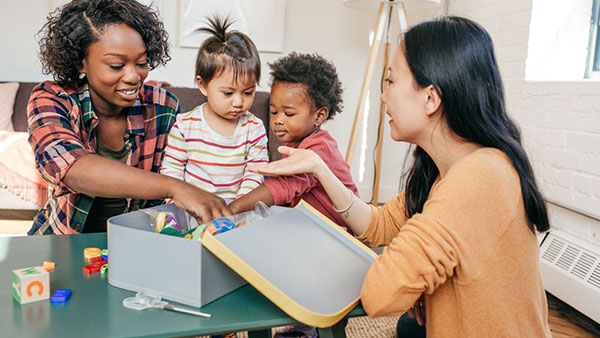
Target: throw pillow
column 8, row 92
column 18, row 173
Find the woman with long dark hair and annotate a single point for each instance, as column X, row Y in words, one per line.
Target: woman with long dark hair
column 461, row 243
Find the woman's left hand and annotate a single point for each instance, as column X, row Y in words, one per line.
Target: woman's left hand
column 299, row 161
column 418, row 311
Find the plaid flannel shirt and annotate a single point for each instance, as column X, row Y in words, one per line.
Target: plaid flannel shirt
column 62, row 126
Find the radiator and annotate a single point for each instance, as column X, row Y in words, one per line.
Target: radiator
column 571, row 271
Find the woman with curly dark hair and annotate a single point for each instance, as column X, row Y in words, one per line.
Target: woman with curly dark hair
column 97, row 131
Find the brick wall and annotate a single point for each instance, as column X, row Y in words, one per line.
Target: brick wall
column 559, row 120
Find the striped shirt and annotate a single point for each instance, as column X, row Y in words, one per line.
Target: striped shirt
column 200, row 156
column 62, row 126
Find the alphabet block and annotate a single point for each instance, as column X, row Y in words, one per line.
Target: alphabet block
column 30, row 284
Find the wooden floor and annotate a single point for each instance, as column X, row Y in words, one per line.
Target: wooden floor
column 566, row 322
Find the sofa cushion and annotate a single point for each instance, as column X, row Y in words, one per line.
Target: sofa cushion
column 18, row 173
column 19, row 118
column 8, row 92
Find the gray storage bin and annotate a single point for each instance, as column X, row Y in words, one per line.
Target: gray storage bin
column 175, row 268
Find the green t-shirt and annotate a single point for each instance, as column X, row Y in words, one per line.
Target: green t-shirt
column 104, row 208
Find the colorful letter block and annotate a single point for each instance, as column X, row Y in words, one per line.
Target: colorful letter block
column 30, row 284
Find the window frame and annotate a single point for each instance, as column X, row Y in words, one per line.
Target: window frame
column 592, row 69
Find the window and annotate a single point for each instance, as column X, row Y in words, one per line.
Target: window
column 592, row 69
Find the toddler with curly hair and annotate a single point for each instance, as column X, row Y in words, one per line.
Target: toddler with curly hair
column 305, row 92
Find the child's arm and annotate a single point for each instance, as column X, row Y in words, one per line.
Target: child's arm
column 356, row 214
column 257, row 154
column 248, row 201
column 176, row 156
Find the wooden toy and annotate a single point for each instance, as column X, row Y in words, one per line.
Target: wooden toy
column 48, row 265
column 30, row 284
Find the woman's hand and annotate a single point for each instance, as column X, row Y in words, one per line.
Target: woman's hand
column 418, row 311
column 203, row 205
column 299, row 161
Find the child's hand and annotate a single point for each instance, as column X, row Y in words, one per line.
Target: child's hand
column 203, row 205
column 299, row 161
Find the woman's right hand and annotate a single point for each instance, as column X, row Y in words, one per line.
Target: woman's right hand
column 202, row 205
column 299, row 161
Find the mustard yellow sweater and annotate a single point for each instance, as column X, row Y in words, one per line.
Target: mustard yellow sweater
column 470, row 252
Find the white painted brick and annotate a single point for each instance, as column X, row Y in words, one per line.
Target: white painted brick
column 564, row 196
column 558, row 177
column 529, row 117
column 551, row 138
column 562, row 159
column 512, row 70
column 582, row 185
column 595, row 187
column 512, row 53
column 513, row 19
column 584, row 103
column 562, row 120
column 583, row 143
column 514, row 86
column 591, row 165
column 592, row 123
column 518, row 36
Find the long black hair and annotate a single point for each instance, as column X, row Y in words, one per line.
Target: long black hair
column 456, row 56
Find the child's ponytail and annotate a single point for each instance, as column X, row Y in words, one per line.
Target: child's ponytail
column 226, row 48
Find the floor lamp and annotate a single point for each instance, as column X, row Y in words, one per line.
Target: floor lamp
column 386, row 10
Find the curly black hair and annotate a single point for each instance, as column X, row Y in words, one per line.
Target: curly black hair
column 226, row 48
column 71, row 29
column 318, row 75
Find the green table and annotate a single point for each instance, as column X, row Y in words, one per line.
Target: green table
column 95, row 308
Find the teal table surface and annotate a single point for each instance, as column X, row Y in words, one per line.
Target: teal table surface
column 95, row 308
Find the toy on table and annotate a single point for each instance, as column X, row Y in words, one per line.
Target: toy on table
column 166, row 223
column 224, row 224
column 89, row 253
column 30, row 284
column 48, row 265
column 61, row 296
column 170, row 223
column 143, row 301
column 96, row 264
column 104, row 254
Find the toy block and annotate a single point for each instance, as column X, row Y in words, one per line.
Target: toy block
column 95, row 259
column 61, row 296
column 91, row 253
column 48, row 265
column 30, row 284
column 94, row 267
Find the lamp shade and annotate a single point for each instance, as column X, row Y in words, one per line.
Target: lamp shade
column 408, row 4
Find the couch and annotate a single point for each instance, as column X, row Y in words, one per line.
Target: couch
column 16, row 206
